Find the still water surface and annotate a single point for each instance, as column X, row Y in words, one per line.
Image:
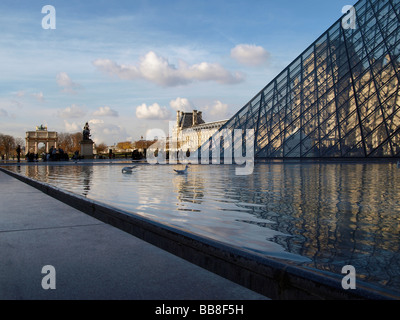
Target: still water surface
column 323, row 216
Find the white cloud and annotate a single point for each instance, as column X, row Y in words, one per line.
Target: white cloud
column 250, row 55
column 39, row 96
column 72, row 112
column 65, row 82
column 181, row 104
column 153, row 112
column 218, row 110
column 102, row 132
column 96, row 121
column 71, row 127
column 158, row 70
column 105, row 112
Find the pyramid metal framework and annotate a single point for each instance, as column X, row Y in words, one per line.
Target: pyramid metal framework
column 340, row 98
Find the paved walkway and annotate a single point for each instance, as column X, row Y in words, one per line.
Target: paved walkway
column 92, row 260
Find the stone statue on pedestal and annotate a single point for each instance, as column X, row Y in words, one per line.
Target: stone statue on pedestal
column 86, row 132
column 86, row 143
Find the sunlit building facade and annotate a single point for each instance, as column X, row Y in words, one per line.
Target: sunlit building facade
column 191, row 131
column 339, row 99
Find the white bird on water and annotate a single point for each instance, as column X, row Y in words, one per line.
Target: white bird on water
column 128, row 169
column 182, row 171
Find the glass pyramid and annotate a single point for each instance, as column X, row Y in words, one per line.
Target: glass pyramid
column 340, row 98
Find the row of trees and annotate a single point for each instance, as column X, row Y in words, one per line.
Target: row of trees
column 141, row 144
column 68, row 142
column 8, row 145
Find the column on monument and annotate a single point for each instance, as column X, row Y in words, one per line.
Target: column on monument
column 47, row 147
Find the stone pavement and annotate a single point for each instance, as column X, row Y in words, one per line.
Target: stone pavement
column 92, row 260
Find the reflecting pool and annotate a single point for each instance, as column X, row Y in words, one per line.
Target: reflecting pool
column 321, row 215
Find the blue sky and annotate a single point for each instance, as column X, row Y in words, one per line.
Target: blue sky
column 127, row 66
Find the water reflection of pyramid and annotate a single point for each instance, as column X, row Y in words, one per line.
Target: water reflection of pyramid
column 340, row 98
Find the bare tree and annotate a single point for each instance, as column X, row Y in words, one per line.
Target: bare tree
column 76, row 140
column 20, row 142
column 69, row 142
column 7, row 145
column 102, row 147
column 65, row 142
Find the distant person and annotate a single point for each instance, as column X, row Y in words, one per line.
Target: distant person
column 54, row 154
column 19, row 153
column 136, row 155
column 30, row 156
column 75, row 156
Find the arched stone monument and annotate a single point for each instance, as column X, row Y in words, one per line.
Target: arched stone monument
column 87, row 143
column 41, row 135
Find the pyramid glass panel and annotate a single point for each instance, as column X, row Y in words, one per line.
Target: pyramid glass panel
column 339, row 98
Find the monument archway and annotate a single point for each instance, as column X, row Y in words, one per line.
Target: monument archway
column 42, row 147
column 41, row 135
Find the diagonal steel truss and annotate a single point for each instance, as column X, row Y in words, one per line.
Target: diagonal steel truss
column 339, row 99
